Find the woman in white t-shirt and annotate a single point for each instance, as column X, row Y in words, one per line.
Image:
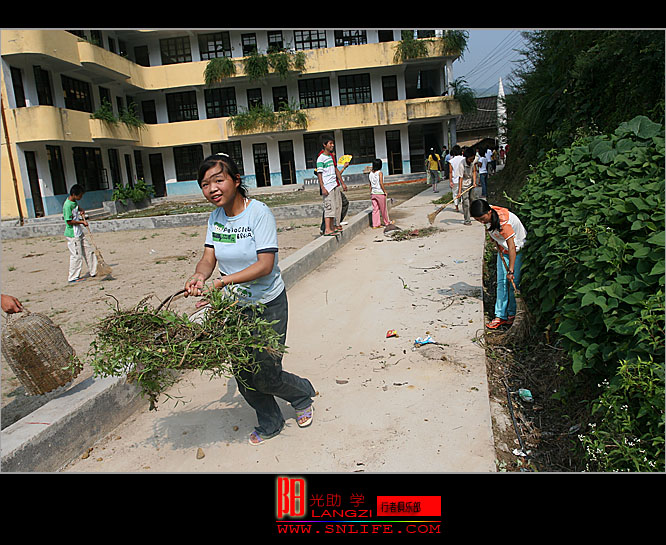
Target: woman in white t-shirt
column 378, row 195
column 242, row 240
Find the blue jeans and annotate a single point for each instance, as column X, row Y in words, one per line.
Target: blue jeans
column 270, row 381
column 505, row 303
column 483, row 176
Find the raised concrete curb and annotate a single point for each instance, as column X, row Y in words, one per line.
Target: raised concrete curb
column 55, row 226
column 59, row 431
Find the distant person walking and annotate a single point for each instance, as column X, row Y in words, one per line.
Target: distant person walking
column 454, row 161
column 434, row 167
column 465, row 180
column 79, row 248
column 483, row 175
column 378, row 195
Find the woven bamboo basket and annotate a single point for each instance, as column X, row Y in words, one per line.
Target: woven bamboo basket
column 37, row 352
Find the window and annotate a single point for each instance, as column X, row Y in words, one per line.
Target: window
column 360, row 143
column 187, row 159
column 214, row 45
column 182, row 106
column 138, row 161
column 275, row 40
column 249, row 43
column 220, row 102
column 89, row 170
column 254, row 98
column 77, row 94
column 385, row 35
column 149, row 112
column 96, row 38
column 280, row 97
column 312, row 148
column 350, row 37
column 314, row 93
column 354, row 89
column 104, row 95
column 233, row 150
column 390, row 88
column 17, row 83
column 57, row 168
column 114, row 165
column 43, row 84
column 309, row 39
column 175, row 50
column 141, row 56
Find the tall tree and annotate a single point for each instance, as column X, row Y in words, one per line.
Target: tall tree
column 578, row 82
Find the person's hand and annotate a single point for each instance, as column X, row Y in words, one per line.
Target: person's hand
column 324, row 192
column 11, row 304
column 195, row 285
column 344, row 187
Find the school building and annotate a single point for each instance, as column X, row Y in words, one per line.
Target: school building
column 105, row 108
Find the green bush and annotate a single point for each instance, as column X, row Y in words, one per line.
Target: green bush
column 595, row 254
column 139, row 192
column 594, row 268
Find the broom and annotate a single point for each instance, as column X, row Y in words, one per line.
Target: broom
column 520, row 328
column 433, row 215
column 102, row 268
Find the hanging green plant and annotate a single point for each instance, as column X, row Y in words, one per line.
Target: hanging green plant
column 282, row 62
column 409, row 48
column 262, row 117
column 464, row 95
column 454, row 42
column 105, row 113
column 255, row 66
column 217, row 69
column 129, row 117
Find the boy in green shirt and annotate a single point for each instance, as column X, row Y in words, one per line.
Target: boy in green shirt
column 79, row 248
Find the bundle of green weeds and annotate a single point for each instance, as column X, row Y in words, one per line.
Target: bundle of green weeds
column 152, row 347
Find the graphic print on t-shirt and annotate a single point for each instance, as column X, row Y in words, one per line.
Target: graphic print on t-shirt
column 230, row 236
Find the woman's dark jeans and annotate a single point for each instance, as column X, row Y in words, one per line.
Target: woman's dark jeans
column 271, row 381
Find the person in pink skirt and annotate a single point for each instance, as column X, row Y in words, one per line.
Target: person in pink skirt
column 378, row 195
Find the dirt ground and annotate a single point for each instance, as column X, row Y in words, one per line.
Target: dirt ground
column 154, row 262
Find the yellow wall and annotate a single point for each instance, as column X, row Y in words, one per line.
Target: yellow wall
column 9, row 206
column 70, row 49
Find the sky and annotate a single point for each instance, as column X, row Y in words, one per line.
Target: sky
column 490, row 54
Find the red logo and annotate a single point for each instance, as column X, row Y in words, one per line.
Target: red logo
column 290, row 497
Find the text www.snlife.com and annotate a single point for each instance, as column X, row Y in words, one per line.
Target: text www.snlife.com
column 301, row 528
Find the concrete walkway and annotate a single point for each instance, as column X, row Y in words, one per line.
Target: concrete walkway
column 383, row 404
